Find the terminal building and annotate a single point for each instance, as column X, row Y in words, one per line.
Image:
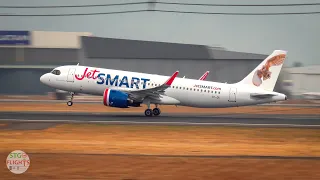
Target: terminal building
column 26, row 55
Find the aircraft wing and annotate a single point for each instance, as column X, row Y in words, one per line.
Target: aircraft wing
column 257, row 95
column 154, row 92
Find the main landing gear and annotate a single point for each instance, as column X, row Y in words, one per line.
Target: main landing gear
column 149, row 112
column 70, row 103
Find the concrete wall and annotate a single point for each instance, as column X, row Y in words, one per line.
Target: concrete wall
column 53, row 39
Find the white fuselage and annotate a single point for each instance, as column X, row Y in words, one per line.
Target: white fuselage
column 183, row 91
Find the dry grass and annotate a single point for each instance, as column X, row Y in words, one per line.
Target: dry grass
column 72, row 144
column 70, row 166
column 174, row 140
column 62, row 107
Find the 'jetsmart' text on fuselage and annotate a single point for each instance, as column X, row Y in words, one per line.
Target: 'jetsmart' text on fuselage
column 106, row 79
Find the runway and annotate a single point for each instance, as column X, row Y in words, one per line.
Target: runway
column 256, row 120
column 99, row 102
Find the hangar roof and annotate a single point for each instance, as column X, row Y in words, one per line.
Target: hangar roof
column 97, row 47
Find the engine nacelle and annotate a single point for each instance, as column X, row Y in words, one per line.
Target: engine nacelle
column 115, row 98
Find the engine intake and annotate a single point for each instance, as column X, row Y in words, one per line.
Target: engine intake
column 115, row 98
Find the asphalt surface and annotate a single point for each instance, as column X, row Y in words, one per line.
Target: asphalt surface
column 99, row 102
column 267, row 120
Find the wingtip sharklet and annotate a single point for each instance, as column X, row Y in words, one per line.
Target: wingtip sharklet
column 170, row 80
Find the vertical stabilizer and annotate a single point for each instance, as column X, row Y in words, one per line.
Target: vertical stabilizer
column 265, row 75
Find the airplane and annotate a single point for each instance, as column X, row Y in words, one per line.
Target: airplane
column 125, row 89
column 311, row 95
column 203, row 77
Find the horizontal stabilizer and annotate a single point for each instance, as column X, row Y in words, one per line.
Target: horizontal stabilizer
column 257, row 95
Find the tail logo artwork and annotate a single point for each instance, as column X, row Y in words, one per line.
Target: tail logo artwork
column 264, row 73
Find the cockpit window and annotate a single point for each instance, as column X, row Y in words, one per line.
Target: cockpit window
column 56, row 72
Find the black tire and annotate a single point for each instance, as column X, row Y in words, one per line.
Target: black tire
column 148, row 112
column 69, row 103
column 156, row 111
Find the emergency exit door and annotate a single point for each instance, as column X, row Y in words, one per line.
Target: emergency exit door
column 233, row 94
column 70, row 77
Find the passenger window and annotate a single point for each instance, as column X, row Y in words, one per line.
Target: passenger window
column 187, row 88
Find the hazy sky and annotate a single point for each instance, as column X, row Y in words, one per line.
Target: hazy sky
column 298, row 34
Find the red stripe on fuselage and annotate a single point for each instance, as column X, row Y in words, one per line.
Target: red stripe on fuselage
column 105, row 97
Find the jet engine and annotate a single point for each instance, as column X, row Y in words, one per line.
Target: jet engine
column 116, row 98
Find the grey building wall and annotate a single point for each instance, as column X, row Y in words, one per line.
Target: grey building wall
column 96, row 47
column 26, row 81
column 22, row 81
column 38, row 56
column 165, row 58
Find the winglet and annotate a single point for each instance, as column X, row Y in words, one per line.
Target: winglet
column 170, row 80
column 204, row 76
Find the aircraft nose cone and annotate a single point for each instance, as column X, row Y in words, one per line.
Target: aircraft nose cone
column 44, row 79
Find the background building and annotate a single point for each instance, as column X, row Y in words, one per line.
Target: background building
column 25, row 56
column 304, row 80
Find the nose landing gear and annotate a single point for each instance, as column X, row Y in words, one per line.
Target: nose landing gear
column 70, row 103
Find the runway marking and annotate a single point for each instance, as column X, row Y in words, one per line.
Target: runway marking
column 163, row 123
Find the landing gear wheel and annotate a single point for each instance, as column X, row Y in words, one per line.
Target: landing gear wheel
column 69, row 103
column 148, row 112
column 156, row 111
